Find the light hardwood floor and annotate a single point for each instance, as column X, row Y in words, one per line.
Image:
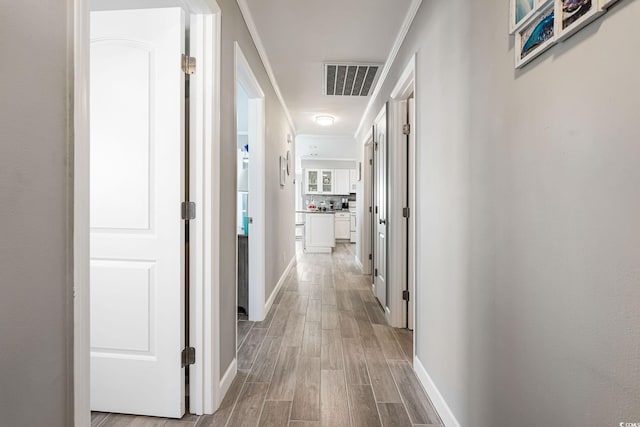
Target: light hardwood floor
column 324, row 356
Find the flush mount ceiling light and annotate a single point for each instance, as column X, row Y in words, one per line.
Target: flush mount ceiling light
column 325, row 120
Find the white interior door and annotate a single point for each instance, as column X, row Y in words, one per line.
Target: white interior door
column 137, row 235
column 380, row 217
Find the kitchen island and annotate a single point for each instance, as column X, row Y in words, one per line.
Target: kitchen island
column 319, row 231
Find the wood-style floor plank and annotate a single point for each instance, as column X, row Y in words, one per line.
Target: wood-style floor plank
column 393, row 415
column 348, row 325
column 294, row 330
column 220, row 418
column 312, row 339
column 314, row 310
column 388, row 342
column 283, row 381
column 364, row 412
column 265, row 362
column 249, row 349
column 306, row 400
column 329, row 317
column 405, row 339
column 275, row 414
column 384, row 387
column 355, row 365
column 244, row 326
column 331, row 352
column 117, row 420
column 333, row 400
column 249, row 406
column 416, row 401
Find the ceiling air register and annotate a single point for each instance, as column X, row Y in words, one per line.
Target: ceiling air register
column 349, row 79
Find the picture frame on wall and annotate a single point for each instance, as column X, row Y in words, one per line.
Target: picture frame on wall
column 283, row 171
column 538, row 35
column 573, row 15
column 522, row 11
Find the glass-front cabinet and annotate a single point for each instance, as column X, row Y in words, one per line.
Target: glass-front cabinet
column 319, row 181
column 327, row 181
column 312, row 180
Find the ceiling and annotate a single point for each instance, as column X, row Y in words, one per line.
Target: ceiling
column 298, row 37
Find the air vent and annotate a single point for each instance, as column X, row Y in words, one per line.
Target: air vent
column 349, row 79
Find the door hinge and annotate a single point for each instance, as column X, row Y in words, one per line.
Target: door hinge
column 375, row 146
column 375, row 273
column 405, row 296
column 370, row 210
column 188, row 356
column 406, row 212
column 371, row 161
column 370, row 256
column 376, row 209
column 188, row 64
column 406, row 129
column 188, row 210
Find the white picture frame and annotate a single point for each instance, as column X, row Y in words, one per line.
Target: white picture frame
column 283, row 171
column 538, row 35
column 569, row 22
column 523, row 11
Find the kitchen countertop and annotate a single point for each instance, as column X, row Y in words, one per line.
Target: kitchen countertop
column 307, row 211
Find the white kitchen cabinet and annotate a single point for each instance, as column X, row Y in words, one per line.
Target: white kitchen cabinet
column 353, row 180
column 319, row 232
column 342, row 182
column 343, row 225
column 312, row 181
column 319, row 181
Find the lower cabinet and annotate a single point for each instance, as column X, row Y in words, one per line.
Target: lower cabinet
column 319, row 234
column 343, row 225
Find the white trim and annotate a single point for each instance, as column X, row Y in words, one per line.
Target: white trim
column 253, row 31
column 227, row 378
column 207, row 334
column 445, row 412
column 359, row 264
column 411, row 14
column 398, row 176
column 81, row 302
column 212, row 396
column 281, row 282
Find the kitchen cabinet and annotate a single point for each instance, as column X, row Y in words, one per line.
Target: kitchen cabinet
column 342, row 226
column 353, row 180
column 342, row 182
column 319, row 232
column 319, row 181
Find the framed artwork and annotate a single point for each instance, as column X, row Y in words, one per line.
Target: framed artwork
column 521, row 11
column 573, row 15
column 283, row 171
column 536, row 36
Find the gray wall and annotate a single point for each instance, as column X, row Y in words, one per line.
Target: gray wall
column 35, row 283
column 280, row 208
column 528, row 204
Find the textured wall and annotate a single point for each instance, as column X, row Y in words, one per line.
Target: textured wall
column 528, row 204
column 35, row 284
column 280, row 208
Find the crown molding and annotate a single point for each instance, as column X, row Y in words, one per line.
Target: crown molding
column 253, row 31
column 408, row 20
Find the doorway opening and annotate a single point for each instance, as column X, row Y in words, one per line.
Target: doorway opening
column 251, row 188
column 143, row 149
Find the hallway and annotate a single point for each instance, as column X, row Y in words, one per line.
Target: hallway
column 324, row 356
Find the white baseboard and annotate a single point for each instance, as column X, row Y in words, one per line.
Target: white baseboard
column 279, row 285
column 359, row 264
column 448, row 419
column 227, row 379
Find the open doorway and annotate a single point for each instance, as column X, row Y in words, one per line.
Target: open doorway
column 143, row 127
column 250, row 126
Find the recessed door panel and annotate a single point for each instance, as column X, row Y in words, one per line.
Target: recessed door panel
column 380, row 217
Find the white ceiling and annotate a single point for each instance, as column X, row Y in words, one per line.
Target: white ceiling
column 298, row 37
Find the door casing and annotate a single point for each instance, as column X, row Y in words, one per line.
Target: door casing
column 206, row 389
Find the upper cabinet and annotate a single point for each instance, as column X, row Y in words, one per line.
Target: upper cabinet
column 312, row 180
column 340, row 182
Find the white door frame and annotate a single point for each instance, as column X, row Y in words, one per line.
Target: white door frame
column 405, row 86
column 245, row 77
column 205, row 391
column 366, row 248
